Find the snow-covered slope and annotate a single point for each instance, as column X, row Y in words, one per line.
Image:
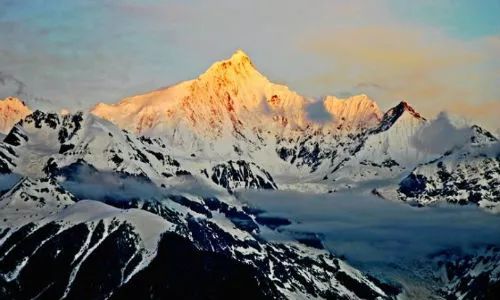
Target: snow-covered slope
column 353, row 113
column 34, row 198
column 160, row 246
column 387, row 149
column 466, row 176
column 48, row 144
column 12, row 110
column 43, row 142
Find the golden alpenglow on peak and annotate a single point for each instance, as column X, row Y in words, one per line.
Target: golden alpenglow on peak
column 12, row 110
column 239, row 65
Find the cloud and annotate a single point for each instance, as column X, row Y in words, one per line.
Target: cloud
column 368, row 85
column 10, row 85
column 87, row 183
column 264, row 108
column 441, row 135
column 316, row 112
column 7, row 181
column 367, row 229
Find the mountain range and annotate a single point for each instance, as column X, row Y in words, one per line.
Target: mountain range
column 164, row 170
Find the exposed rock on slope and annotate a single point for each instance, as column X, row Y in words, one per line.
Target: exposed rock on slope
column 241, row 174
column 465, row 176
column 473, row 275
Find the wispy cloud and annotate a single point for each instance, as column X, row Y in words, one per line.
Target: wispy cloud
column 441, row 135
column 10, row 85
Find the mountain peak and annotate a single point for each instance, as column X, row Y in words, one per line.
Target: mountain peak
column 404, row 106
column 239, row 65
column 355, row 112
column 240, row 56
column 43, row 192
column 13, row 101
column 398, row 112
column 12, row 110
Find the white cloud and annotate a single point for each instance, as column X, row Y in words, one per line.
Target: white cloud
column 367, row 229
column 441, row 135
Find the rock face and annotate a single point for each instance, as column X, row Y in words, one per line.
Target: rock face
column 12, row 110
column 466, row 176
column 473, row 275
column 241, row 174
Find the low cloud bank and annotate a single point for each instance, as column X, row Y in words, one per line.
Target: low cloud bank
column 85, row 182
column 366, row 229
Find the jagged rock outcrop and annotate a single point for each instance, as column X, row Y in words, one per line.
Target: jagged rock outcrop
column 241, row 174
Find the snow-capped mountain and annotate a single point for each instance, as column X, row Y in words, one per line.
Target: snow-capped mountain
column 158, row 247
column 233, row 112
column 466, row 176
column 387, row 149
column 221, row 108
column 44, row 141
column 151, row 184
column 12, row 110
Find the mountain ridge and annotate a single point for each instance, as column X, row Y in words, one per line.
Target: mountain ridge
column 129, row 184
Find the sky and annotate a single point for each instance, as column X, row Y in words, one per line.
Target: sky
column 437, row 55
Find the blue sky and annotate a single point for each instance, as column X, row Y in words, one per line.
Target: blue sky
column 438, row 55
